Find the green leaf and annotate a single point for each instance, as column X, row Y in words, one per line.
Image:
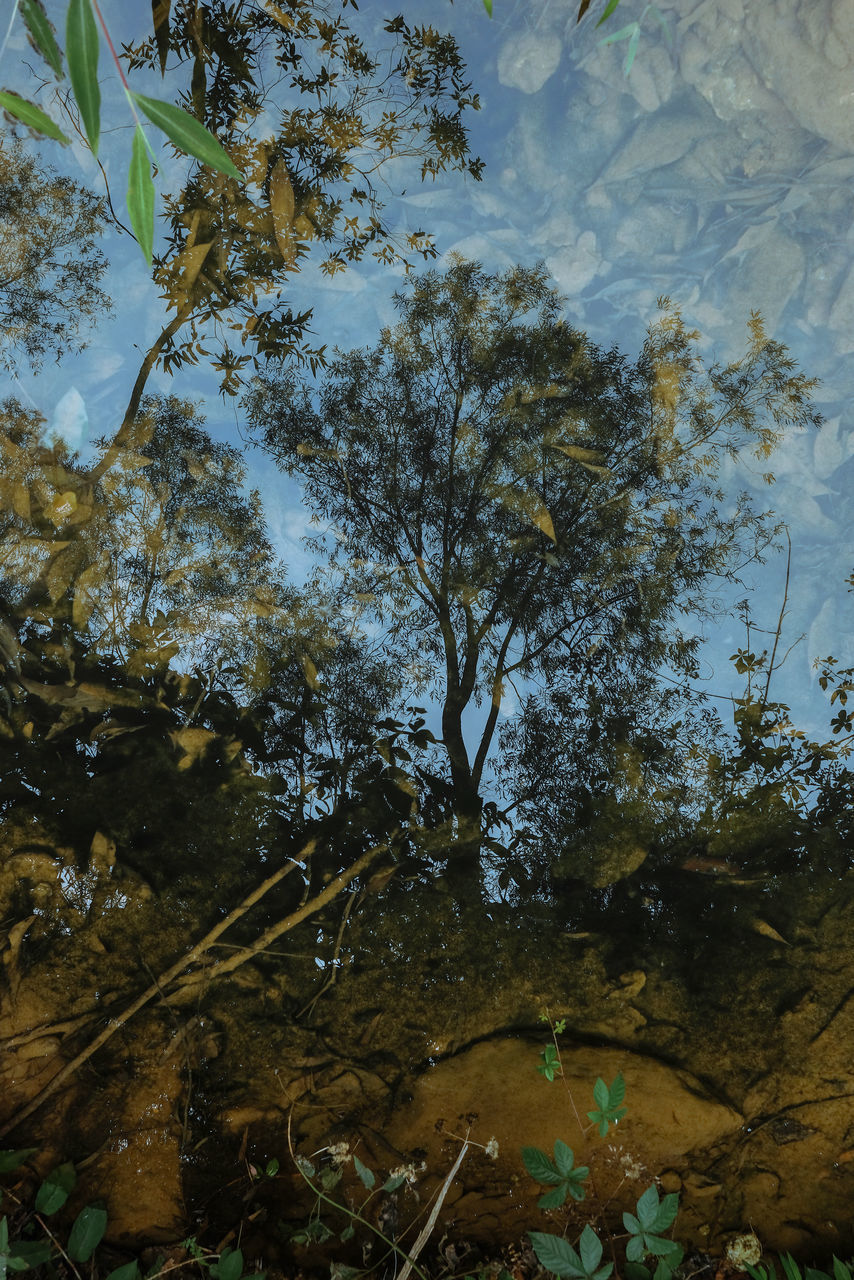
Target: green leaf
column 633, row 48
column 564, row 1158
column 540, row 1166
column 187, row 133
column 10, row 1160
column 659, row 1246
column 272, row 1168
column 556, row 1254
column 841, row 1270
column 647, row 1208
column 41, row 33
column 129, row 1271
column 56, row 1188
column 487, row 4
column 366, row 1177
column 635, row 1250
column 229, row 1266
column 576, row 1189
column 590, row 1248
column 632, row 1270
column 31, row 115
column 87, row 1232
column 617, row 1091
column 391, row 1184
column 81, row 50
column 609, row 9
column 601, row 1094
column 140, row 197
column 623, row 34
column 29, row 1253
column 555, row 1198
column 667, row 1213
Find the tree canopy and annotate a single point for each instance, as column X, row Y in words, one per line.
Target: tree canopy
column 51, row 264
column 511, row 503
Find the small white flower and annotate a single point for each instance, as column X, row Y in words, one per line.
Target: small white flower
column 339, row 1153
column 491, row 1148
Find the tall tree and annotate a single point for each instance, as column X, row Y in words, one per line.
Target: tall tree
column 50, row 262
column 511, row 502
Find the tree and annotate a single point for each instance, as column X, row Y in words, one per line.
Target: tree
column 50, row 261
column 512, row 503
column 347, row 111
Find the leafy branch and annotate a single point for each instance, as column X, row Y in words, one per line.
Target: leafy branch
column 82, row 51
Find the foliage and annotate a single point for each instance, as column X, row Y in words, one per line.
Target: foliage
column 313, row 177
column 632, row 34
column 85, row 1233
column 792, row 1270
column 81, row 34
column 50, row 263
column 644, row 1227
column 511, row 502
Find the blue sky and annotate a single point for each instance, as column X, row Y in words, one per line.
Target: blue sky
column 719, row 171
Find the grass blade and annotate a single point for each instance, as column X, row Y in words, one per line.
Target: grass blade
column 81, row 49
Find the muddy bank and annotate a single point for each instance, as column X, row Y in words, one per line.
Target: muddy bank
column 729, row 1009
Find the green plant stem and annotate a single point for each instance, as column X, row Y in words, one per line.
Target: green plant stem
column 351, row 1213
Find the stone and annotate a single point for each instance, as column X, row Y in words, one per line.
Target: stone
column 526, row 62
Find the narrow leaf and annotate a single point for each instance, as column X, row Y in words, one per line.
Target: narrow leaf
column 487, row 4
column 582, row 9
column 633, row 48
column 87, row 1232
column 186, row 133
column 31, row 115
column 282, row 207
column 609, row 9
column 81, row 49
column 40, row 31
column 140, row 197
column 366, row 1177
column 623, row 34
column 160, row 15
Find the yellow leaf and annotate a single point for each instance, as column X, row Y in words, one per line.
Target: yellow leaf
column 304, row 227
column 310, row 672
column 768, row 931
column 529, row 505
column 580, row 455
column 282, row 207
column 190, row 263
column 193, row 742
column 21, row 501
column 61, row 507
column 85, row 588
column 281, row 17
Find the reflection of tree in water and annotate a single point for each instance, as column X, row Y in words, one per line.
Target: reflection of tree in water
column 179, row 722
column 50, row 262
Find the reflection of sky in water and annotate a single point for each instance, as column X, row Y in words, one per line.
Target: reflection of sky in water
column 719, row 172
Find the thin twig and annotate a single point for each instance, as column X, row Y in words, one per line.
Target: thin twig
column 168, row 976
